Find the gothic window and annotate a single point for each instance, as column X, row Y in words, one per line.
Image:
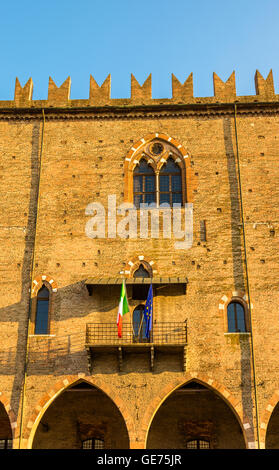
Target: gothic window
column 42, row 312
column 157, row 171
column 198, row 444
column 141, row 272
column 236, row 317
column 166, row 188
column 93, row 444
column 170, row 184
column 144, row 184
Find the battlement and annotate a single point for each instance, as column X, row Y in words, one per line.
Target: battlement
column 182, row 93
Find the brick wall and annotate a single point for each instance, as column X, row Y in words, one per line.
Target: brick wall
column 82, row 160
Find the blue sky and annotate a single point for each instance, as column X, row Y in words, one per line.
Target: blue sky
column 59, row 38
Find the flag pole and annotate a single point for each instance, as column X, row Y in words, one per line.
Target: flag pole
column 131, row 314
column 140, row 324
column 124, row 281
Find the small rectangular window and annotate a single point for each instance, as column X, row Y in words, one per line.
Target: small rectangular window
column 6, row 444
column 93, row 444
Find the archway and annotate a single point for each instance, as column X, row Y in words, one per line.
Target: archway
column 82, row 416
column 272, row 431
column 191, row 416
column 6, row 435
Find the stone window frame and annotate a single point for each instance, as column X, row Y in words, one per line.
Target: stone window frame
column 244, row 306
column 134, row 263
column 241, row 298
column 172, row 149
column 51, row 285
column 145, row 265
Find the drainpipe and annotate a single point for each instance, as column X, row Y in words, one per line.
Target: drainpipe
column 31, row 281
column 247, row 278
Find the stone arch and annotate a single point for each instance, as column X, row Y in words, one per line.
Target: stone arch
column 135, row 262
column 149, row 160
column 238, row 296
column 177, row 160
column 52, row 286
column 145, row 265
column 182, row 159
column 10, row 414
column 39, row 281
column 58, row 388
column 234, row 404
column 271, row 405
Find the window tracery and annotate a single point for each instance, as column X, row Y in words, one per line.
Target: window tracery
column 157, row 171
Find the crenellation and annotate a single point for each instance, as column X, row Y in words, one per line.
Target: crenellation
column 59, row 95
column 141, row 95
column 100, row 95
column 182, row 92
column 264, row 87
column 224, row 91
column 23, row 95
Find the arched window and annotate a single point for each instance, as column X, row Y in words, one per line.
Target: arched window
column 140, row 291
column 93, row 444
column 42, row 312
column 141, row 272
column 139, row 325
column 236, row 317
column 198, row 444
column 158, row 170
column 170, row 183
column 144, row 184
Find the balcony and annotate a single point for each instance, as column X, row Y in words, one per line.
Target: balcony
column 166, row 338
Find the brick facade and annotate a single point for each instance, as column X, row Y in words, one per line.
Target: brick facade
column 58, row 156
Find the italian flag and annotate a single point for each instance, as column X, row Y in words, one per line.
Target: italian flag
column 122, row 308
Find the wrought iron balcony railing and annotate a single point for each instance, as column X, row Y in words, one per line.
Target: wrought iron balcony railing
column 168, row 337
column 163, row 333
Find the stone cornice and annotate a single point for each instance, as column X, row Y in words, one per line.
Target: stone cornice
column 152, row 111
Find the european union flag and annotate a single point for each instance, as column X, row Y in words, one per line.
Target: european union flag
column 148, row 311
